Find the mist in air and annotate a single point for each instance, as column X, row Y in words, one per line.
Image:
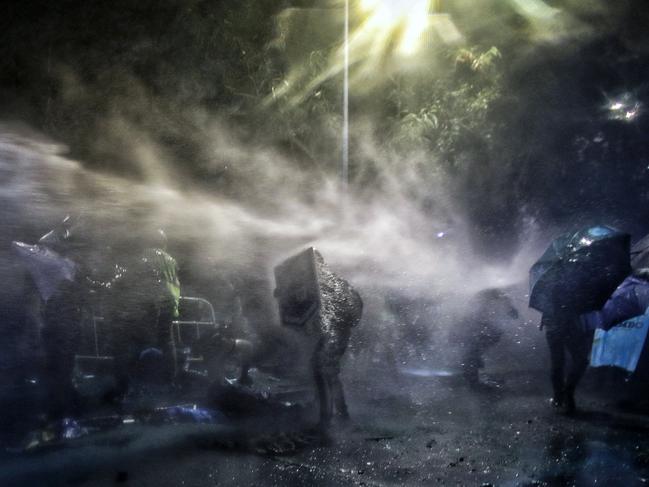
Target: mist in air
column 477, row 133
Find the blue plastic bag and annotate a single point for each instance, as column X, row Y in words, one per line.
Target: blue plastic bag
column 622, row 345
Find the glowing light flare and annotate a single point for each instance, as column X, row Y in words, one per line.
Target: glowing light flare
column 625, row 108
column 407, row 20
column 585, row 242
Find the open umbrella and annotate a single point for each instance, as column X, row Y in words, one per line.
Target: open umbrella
column 580, row 271
column 622, row 346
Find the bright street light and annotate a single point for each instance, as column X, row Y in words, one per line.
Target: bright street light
column 406, row 19
column 386, row 26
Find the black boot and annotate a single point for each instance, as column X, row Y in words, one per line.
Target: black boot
column 569, row 402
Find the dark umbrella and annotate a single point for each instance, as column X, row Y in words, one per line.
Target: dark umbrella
column 580, row 271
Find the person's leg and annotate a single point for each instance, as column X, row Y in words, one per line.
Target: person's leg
column 335, row 348
column 58, row 381
column 244, row 350
column 473, row 358
column 471, row 363
column 578, row 346
column 340, row 403
column 556, row 345
column 165, row 341
column 479, row 337
column 123, row 347
column 61, row 342
column 123, row 364
column 325, row 397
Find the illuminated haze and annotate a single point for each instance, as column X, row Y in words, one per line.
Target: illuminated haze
column 410, row 221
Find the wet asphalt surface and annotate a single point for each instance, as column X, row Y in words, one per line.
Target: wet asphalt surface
column 435, row 431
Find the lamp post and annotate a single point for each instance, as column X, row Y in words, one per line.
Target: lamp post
column 344, row 169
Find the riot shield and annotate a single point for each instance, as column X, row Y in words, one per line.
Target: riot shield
column 298, row 289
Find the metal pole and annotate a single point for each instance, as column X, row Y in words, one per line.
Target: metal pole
column 344, row 170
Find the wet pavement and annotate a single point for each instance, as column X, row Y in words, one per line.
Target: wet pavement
column 434, row 432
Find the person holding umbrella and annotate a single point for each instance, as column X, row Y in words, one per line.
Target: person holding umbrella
column 483, row 330
column 575, row 275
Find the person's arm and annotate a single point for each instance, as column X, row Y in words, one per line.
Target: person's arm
column 546, row 320
column 617, row 309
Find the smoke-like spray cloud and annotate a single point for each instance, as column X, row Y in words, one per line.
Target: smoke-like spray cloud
column 372, row 236
column 385, row 242
column 409, row 233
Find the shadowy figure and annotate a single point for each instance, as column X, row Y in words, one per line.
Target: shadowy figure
column 221, row 350
column 341, row 310
column 482, row 331
column 144, row 298
column 57, row 278
column 327, row 307
column 630, row 300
